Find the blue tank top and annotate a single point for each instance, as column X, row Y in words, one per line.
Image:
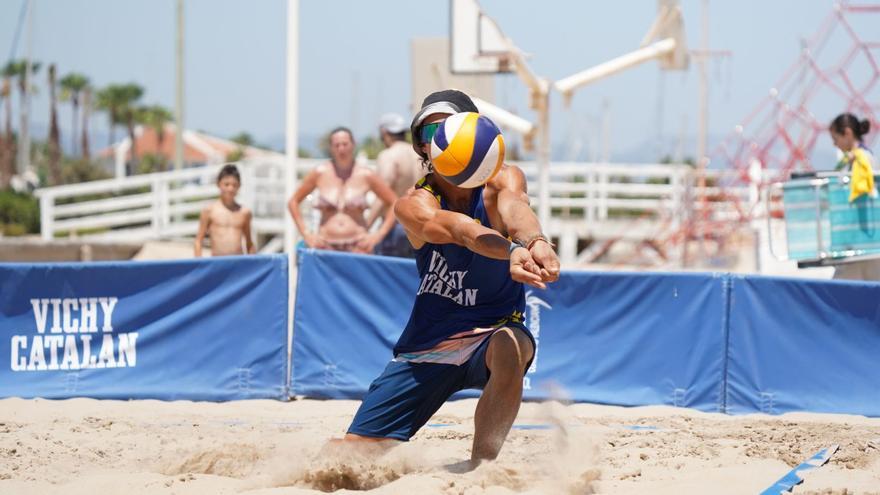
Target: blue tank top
column 459, row 290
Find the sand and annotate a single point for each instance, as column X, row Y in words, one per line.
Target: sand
column 85, row 446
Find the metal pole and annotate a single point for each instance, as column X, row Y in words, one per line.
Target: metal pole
column 655, row 50
column 504, row 118
column 178, row 100
column 24, row 151
column 290, row 162
column 704, row 99
column 291, row 132
column 543, row 155
column 702, row 131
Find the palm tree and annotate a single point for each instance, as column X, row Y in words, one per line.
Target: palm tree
column 119, row 101
column 243, row 138
column 110, row 100
column 20, row 70
column 86, row 111
column 54, row 135
column 130, row 93
column 7, row 149
column 72, row 87
column 155, row 117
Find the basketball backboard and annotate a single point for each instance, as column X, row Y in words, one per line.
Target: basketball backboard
column 430, row 72
column 476, row 43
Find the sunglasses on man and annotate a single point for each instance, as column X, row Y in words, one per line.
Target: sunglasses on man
column 427, row 131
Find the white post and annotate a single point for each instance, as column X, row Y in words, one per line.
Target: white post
column 119, row 152
column 248, row 191
column 158, row 199
column 179, row 99
column 543, row 156
column 47, row 215
column 179, row 95
column 677, row 204
column 24, row 149
column 290, row 162
column 165, row 208
column 602, row 184
column 702, row 130
column 291, row 141
column 590, row 197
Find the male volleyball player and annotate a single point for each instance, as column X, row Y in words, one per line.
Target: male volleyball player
column 466, row 328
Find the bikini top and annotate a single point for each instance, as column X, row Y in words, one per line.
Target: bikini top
column 343, row 203
column 356, row 202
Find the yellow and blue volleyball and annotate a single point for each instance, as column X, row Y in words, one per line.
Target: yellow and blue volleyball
column 467, row 149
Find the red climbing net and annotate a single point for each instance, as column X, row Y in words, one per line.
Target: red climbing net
column 837, row 71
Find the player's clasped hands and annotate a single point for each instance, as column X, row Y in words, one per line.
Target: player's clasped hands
column 545, row 257
column 523, row 268
column 535, row 266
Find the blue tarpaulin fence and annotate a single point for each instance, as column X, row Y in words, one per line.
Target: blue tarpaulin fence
column 198, row 329
column 713, row 342
column 805, row 345
column 217, row 330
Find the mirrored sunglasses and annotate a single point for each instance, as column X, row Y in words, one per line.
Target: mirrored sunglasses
column 426, row 133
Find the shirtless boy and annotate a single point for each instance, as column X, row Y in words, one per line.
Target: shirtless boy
column 225, row 221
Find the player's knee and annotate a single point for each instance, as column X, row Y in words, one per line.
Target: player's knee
column 510, row 350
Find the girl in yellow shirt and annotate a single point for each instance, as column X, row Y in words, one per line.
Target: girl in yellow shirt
column 847, row 132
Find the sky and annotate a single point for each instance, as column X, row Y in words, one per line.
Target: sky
column 354, row 62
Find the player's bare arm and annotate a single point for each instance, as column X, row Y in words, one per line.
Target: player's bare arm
column 520, row 221
column 426, row 222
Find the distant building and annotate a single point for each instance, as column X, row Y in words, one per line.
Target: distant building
column 199, row 148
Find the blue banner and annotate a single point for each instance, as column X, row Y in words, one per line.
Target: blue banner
column 627, row 339
column 212, row 329
column 350, row 310
column 714, row 342
column 804, row 345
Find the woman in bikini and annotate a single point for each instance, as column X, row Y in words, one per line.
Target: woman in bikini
column 342, row 188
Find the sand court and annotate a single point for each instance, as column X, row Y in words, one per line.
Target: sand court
column 80, row 446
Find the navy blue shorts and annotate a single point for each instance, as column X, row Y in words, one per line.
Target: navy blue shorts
column 405, row 396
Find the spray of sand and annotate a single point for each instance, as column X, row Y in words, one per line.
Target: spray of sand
column 316, row 465
column 529, row 463
column 232, row 460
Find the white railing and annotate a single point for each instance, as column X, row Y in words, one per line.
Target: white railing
column 584, row 197
column 156, row 206
column 601, row 191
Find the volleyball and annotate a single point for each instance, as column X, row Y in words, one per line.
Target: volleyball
column 467, row 149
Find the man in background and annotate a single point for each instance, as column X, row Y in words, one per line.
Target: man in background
column 400, row 167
